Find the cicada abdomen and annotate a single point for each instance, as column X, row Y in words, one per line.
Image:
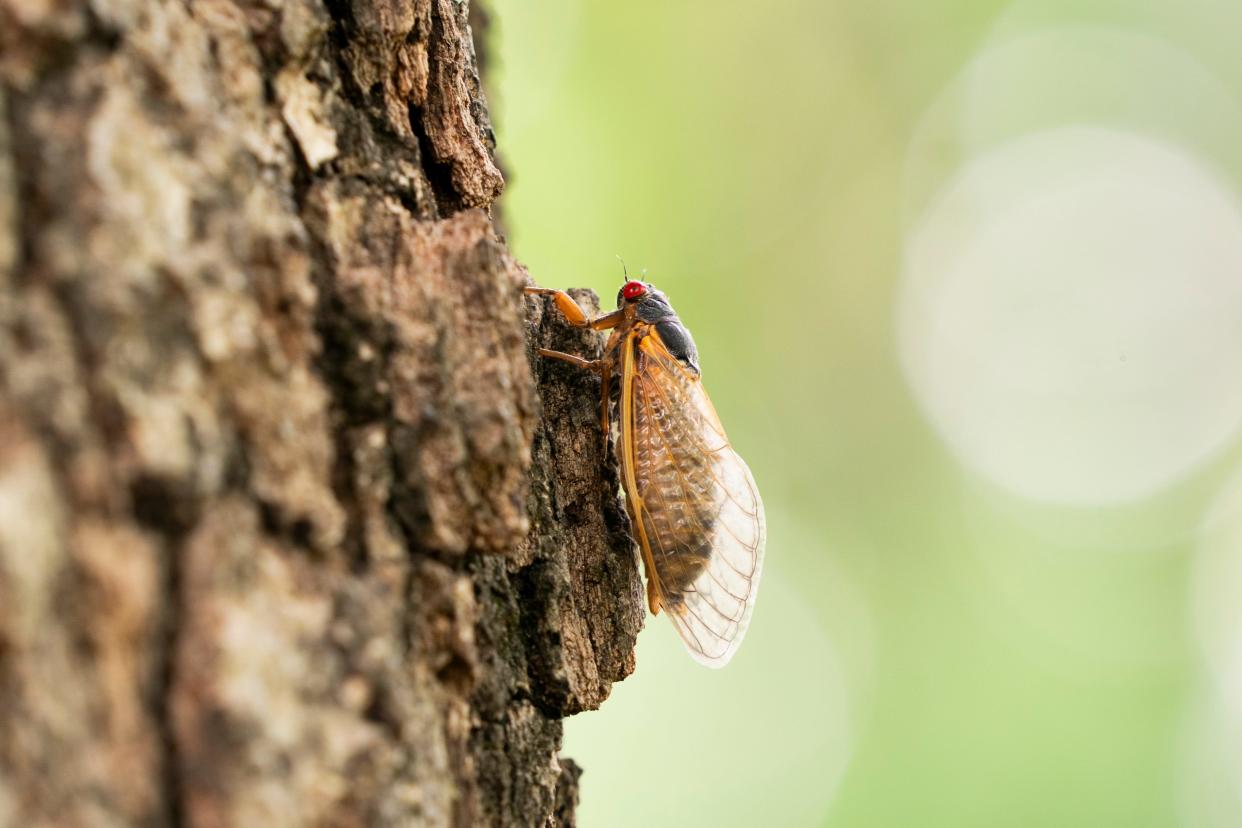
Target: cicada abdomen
column 676, row 483
column 702, row 518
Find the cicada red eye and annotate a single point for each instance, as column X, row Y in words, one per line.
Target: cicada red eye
column 633, row 290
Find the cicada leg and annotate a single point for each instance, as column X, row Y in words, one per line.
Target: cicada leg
column 605, row 376
column 577, row 318
column 573, row 312
column 595, row 365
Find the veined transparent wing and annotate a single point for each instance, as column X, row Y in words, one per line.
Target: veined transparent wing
column 702, row 524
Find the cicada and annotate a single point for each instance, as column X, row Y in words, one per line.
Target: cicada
column 692, row 501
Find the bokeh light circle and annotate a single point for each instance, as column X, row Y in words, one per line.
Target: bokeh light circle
column 1027, row 80
column 1071, row 316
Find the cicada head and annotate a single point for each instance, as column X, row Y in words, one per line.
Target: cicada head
column 632, row 291
column 652, row 306
column 651, row 303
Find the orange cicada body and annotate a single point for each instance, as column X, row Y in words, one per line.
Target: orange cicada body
column 693, row 504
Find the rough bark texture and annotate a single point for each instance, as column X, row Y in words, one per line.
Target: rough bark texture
column 293, row 528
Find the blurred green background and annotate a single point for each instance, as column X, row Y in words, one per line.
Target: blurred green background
column 966, row 279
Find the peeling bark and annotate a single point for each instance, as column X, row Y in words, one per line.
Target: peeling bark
column 294, row 528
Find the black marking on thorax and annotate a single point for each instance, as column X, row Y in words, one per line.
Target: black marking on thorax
column 655, row 310
column 676, row 337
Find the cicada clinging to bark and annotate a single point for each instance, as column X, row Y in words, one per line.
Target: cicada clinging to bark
column 692, row 501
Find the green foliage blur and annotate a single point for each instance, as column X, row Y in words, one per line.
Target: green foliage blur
column 933, row 645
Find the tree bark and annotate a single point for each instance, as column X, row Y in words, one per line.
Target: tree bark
column 293, row 528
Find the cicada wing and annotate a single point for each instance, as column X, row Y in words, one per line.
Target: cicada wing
column 701, row 514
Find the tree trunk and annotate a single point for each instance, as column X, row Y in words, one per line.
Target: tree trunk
column 285, row 538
